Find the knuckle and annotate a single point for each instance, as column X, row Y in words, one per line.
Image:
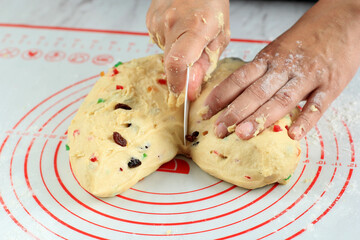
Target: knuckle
column 232, row 116
column 198, row 20
column 304, row 121
column 284, row 98
column 175, row 64
column 258, row 92
column 217, row 102
column 236, row 79
column 170, row 17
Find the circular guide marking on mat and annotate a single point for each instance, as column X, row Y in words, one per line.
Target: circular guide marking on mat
column 52, row 203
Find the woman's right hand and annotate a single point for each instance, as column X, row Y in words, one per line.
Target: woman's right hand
column 191, row 33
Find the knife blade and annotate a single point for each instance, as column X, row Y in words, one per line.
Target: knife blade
column 186, row 104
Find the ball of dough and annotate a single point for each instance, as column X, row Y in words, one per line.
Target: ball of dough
column 130, row 124
column 126, row 128
column 267, row 158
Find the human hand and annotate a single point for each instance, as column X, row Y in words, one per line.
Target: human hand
column 191, row 33
column 312, row 61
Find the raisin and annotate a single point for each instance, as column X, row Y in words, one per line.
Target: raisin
column 195, row 143
column 192, row 137
column 122, row 106
column 118, row 139
column 126, row 125
column 134, row 162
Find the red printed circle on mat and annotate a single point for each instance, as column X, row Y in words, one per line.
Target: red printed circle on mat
column 102, row 59
column 32, row 54
column 9, row 52
column 79, row 57
column 175, row 234
column 55, row 56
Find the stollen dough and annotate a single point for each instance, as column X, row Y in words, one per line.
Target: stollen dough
column 267, row 158
column 152, row 128
column 130, row 124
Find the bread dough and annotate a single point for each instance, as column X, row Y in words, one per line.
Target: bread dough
column 267, row 158
column 130, row 124
column 154, row 136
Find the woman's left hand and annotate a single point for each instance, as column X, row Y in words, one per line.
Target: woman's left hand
column 312, row 61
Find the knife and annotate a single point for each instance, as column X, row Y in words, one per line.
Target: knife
column 186, row 104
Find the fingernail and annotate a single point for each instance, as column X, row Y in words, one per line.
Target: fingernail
column 297, row 132
column 245, row 129
column 221, row 130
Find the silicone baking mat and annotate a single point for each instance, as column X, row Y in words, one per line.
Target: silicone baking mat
column 45, row 74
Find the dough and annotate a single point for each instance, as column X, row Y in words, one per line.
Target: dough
column 152, row 128
column 129, row 125
column 267, row 158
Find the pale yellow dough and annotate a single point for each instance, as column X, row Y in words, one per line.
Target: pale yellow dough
column 155, row 135
column 267, row 158
column 156, row 128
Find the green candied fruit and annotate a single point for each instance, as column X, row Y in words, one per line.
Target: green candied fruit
column 118, row 64
column 67, row 147
column 288, row 177
column 144, row 155
column 100, row 100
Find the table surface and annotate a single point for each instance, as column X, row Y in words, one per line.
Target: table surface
column 51, row 53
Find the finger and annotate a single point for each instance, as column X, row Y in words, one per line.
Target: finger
column 232, row 86
column 251, row 99
column 314, row 108
column 180, row 56
column 206, row 64
column 155, row 27
column 184, row 45
column 276, row 108
column 197, row 74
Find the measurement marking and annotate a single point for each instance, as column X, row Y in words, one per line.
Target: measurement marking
column 36, row 134
column 22, row 39
column 112, row 43
column 93, row 43
column 5, row 37
column 41, row 38
column 131, row 44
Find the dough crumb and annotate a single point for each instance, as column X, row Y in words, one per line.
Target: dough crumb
column 168, row 232
column 204, row 110
column 231, row 128
column 213, row 58
column 313, row 108
column 159, row 41
column 261, row 121
column 175, row 58
column 176, row 101
column 220, row 18
column 203, row 19
column 307, row 180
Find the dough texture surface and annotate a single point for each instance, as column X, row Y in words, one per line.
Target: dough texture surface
column 130, row 124
column 267, row 158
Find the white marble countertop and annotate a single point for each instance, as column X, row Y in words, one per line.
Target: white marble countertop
column 263, row 20
column 45, row 74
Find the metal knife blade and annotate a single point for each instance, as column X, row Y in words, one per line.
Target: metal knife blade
column 186, row 104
